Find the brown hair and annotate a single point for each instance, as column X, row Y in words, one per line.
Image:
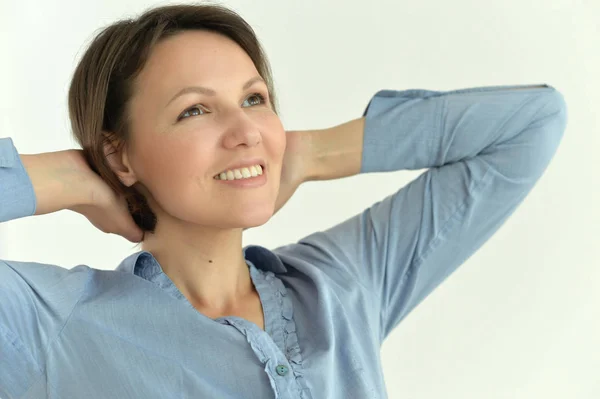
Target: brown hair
column 103, row 81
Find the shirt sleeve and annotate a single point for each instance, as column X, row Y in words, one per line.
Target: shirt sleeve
column 17, row 197
column 36, row 300
column 484, row 147
column 19, row 367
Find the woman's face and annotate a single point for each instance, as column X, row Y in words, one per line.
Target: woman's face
column 180, row 142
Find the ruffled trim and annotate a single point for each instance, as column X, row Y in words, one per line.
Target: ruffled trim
column 284, row 334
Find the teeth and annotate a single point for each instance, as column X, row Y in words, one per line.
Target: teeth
column 242, row 173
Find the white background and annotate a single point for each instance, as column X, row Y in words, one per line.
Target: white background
column 519, row 319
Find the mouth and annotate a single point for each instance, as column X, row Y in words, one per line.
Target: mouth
column 244, row 173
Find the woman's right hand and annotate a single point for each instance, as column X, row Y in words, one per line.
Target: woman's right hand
column 105, row 209
column 64, row 180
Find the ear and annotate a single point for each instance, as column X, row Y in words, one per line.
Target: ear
column 115, row 153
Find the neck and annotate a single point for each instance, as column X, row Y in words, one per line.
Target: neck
column 205, row 263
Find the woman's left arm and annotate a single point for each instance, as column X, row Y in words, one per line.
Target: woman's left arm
column 484, row 147
column 324, row 154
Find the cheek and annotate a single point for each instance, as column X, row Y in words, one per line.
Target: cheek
column 174, row 169
column 275, row 139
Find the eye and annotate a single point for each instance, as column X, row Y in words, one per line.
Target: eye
column 190, row 111
column 195, row 110
column 259, row 96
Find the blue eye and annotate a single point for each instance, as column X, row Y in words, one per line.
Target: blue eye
column 195, row 110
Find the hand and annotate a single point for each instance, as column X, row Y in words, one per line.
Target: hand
column 106, row 209
column 295, row 165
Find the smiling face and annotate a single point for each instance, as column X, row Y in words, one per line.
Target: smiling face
column 180, row 142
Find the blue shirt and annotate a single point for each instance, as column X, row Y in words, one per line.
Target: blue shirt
column 329, row 299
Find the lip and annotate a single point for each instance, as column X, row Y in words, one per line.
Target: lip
column 244, row 164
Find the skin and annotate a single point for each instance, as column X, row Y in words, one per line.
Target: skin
column 198, row 239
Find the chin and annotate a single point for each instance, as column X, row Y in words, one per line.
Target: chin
column 254, row 219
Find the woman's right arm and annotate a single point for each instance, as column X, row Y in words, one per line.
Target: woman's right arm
column 37, row 184
column 43, row 183
column 56, row 182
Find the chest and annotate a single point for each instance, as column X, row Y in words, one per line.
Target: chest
column 152, row 345
column 251, row 310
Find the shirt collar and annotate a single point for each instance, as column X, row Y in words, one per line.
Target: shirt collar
column 145, row 265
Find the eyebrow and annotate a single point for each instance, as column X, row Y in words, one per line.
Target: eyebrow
column 211, row 92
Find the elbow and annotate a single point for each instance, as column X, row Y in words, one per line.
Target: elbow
column 530, row 152
column 556, row 109
column 552, row 117
column 546, row 131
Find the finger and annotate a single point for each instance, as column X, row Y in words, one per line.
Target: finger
column 132, row 232
column 135, row 237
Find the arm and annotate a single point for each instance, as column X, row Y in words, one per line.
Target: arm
column 319, row 155
column 485, row 148
column 49, row 182
column 36, row 184
column 35, row 298
column 337, row 152
column 17, row 198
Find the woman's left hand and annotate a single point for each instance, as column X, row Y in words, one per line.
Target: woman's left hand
column 295, row 166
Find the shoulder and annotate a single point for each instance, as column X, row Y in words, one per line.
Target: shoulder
column 45, row 272
column 39, row 296
column 36, row 300
column 22, row 278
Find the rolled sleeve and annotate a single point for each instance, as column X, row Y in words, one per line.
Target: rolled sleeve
column 17, row 196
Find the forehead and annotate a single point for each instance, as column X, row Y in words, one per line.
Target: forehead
column 195, row 57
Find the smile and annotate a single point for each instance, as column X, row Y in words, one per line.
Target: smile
column 239, row 174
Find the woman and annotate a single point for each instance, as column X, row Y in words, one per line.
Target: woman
column 183, row 149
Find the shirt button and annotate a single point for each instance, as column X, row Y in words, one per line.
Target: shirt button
column 282, row 369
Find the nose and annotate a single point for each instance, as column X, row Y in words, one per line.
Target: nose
column 241, row 130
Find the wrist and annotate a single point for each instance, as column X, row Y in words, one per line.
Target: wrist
column 79, row 177
column 335, row 152
column 56, row 183
column 312, row 168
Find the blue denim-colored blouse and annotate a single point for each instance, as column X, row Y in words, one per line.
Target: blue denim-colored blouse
column 329, row 300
